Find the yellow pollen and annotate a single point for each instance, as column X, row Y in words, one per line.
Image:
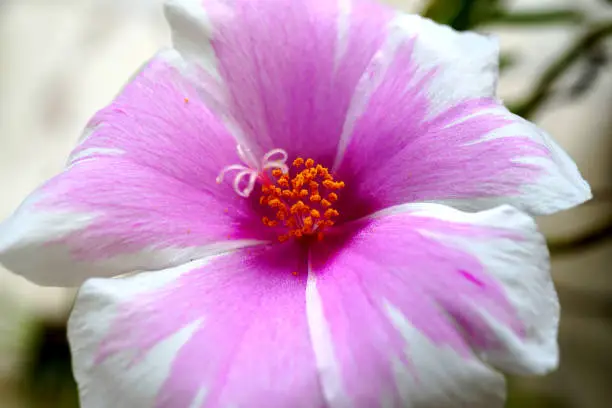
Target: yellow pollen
column 296, row 200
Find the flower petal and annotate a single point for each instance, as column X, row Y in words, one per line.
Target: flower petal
column 424, row 297
column 289, row 68
column 139, row 193
column 425, row 126
column 231, row 331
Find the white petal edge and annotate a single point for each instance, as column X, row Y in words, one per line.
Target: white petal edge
column 522, row 268
column 91, row 318
column 467, row 64
column 468, row 383
column 560, row 187
column 29, row 246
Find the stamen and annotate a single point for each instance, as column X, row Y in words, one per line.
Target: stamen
column 298, row 202
column 301, row 204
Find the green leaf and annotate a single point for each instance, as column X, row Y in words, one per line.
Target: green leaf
column 442, row 11
column 506, row 61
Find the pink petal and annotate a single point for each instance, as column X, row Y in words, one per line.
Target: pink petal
column 425, row 126
column 289, row 68
column 139, row 193
column 464, row 287
column 228, row 332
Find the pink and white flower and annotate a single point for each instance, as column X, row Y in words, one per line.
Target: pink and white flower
column 424, row 281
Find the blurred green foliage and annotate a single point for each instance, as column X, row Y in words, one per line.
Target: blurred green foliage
column 469, row 14
column 462, row 14
column 48, row 380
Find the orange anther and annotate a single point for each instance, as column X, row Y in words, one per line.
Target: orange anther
column 308, row 222
column 328, row 184
column 298, row 207
column 288, row 194
column 275, row 203
column 330, row 212
column 298, row 181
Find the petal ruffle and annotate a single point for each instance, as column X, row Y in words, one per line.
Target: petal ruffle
column 287, row 69
column 425, row 126
column 228, row 332
column 139, row 192
column 414, row 305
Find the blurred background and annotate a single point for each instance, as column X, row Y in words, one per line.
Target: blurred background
column 61, row 60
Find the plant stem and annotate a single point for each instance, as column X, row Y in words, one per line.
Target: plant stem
column 581, row 242
column 542, row 91
column 535, row 17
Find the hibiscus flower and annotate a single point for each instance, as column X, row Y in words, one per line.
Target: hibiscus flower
column 303, row 203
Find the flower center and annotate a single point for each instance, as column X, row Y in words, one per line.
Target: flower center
column 304, row 203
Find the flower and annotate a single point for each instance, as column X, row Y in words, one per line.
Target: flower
column 326, row 205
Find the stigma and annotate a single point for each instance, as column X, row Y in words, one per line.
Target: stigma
column 252, row 171
column 302, row 200
column 299, row 200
